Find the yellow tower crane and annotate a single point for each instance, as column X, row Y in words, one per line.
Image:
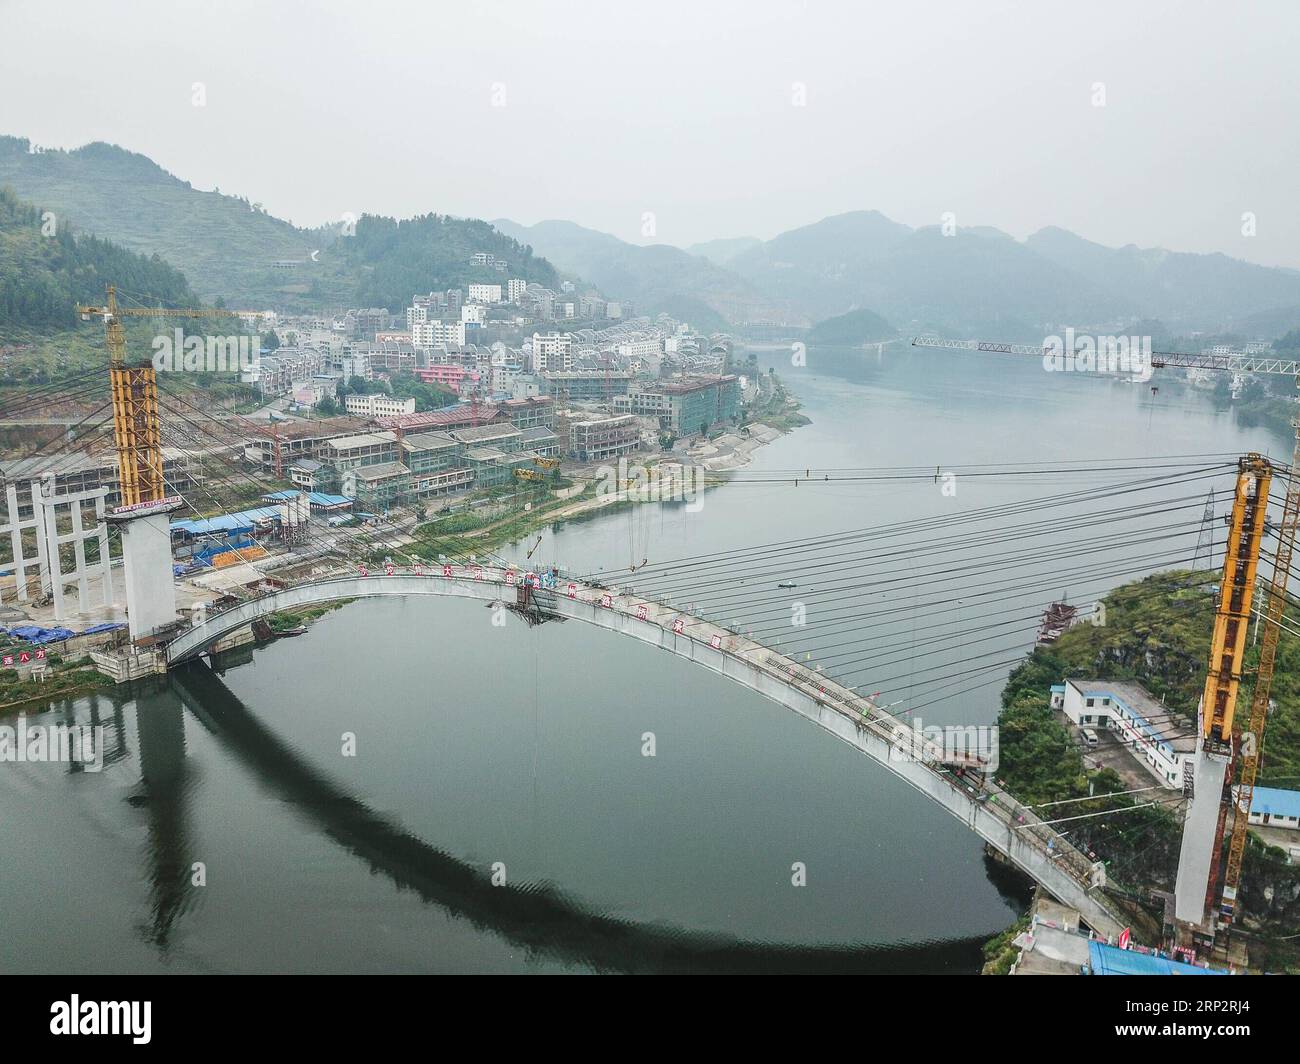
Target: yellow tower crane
column 1232, row 614
column 136, row 428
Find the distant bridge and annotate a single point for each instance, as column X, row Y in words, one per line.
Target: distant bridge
column 1012, row 829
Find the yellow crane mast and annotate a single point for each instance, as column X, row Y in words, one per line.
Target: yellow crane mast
column 1251, row 743
column 136, row 428
column 1236, row 592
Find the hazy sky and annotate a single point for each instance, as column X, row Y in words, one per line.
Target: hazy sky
column 689, row 110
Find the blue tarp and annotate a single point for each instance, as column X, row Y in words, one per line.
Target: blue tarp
column 35, row 634
column 95, row 629
column 1111, row 960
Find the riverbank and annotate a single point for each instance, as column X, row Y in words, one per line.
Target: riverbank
column 61, row 681
column 773, row 412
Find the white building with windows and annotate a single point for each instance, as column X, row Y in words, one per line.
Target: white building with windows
column 551, row 352
column 484, row 293
column 433, row 333
column 515, row 289
column 1143, row 725
column 377, row 405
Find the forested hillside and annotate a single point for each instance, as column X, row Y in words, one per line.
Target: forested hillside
column 230, row 248
column 388, row 261
column 46, row 268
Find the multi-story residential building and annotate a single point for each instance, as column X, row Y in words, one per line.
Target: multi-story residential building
column 647, row 399
column 284, row 444
column 484, row 293
column 365, row 448
column 515, row 289
column 278, row 373
column 683, row 406
column 473, row 314
column 600, row 439
column 588, row 385
column 377, row 487
column 364, row 323
column 552, row 352
column 644, row 348
column 431, row 452
column 432, row 333
column 527, row 413
column 540, row 440
column 391, row 356
column 450, row 375
column 378, row 405
column 493, row 467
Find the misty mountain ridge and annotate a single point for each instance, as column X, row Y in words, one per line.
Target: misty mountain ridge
column 981, row 276
column 978, row 281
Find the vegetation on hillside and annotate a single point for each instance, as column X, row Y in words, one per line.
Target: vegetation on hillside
column 46, row 269
column 852, row 329
column 387, row 261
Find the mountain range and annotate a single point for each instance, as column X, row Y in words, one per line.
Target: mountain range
column 972, row 280
column 975, row 280
column 232, row 249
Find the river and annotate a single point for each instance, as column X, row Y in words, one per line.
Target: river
column 519, row 752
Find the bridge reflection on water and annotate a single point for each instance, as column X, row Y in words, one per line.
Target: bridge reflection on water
column 537, row 918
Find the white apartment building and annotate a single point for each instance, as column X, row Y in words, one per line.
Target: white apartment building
column 552, row 352
column 484, row 293
column 433, row 333
column 641, row 348
column 376, row 405
column 515, row 289
column 473, row 314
